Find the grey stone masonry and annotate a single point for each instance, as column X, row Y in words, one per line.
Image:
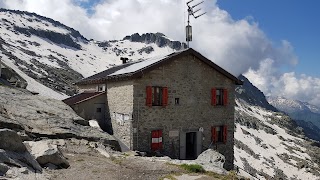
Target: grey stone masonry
column 188, row 79
column 119, row 108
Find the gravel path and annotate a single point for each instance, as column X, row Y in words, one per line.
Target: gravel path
column 87, row 163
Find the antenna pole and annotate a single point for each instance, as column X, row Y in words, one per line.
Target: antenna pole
column 191, row 12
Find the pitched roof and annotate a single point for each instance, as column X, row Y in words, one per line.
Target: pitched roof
column 138, row 68
column 85, row 96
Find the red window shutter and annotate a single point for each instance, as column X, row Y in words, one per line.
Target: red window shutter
column 225, row 97
column 214, row 134
column 154, row 140
column 225, row 134
column 160, row 139
column 149, row 96
column 164, row 96
column 213, row 97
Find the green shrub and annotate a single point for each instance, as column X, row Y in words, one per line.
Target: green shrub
column 193, row 168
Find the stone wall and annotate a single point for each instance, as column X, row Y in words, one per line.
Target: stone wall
column 120, row 106
column 87, row 109
column 191, row 81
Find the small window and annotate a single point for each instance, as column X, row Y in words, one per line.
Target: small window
column 99, row 110
column 219, row 96
column 156, row 96
column 219, row 134
column 101, row 87
column 177, row 101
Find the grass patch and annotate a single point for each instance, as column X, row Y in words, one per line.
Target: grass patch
column 193, row 168
column 170, row 176
column 118, row 160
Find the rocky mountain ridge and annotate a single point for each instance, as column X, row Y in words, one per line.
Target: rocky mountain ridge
column 268, row 144
column 304, row 114
column 49, row 53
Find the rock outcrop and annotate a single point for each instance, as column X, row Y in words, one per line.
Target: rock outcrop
column 35, row 120
column 11, row 141
column 158, row 38
column 47, row 154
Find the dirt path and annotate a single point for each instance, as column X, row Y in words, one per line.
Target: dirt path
column 86, row 163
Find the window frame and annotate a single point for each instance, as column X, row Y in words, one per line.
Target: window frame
column 220, row 137
column 157, row 98
column 102, row 86
column 220, row 97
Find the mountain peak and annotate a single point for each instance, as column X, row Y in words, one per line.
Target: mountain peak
column 252, row 95
column 158, row 38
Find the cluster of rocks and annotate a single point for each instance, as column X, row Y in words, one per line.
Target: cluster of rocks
column 147, row 50
column 26, row 159
column 28, row 123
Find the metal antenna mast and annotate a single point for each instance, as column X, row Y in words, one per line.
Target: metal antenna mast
column 191, row 12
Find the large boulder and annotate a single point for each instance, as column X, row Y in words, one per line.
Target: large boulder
column 13, row 159
column 47, row 153
column 211, row 157
column 11, row 141
column 210, row 160
column 3, row 169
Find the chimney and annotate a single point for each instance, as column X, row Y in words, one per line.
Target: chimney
column 124, row 60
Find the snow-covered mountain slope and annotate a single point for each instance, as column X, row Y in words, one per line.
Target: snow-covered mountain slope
column 268, row 143
column 47, row 52
column 305, row 114
column 268, row 149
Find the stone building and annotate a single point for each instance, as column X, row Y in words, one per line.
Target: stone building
column 179, row 104
column 89, row 105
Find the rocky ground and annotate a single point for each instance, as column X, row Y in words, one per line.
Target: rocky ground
column 86, row 162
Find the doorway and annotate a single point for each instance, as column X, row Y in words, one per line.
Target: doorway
column 191, row 145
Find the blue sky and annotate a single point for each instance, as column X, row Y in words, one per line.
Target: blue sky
column 293, row 20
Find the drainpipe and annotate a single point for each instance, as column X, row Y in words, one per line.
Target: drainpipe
column 138, row 125
column 0, row 66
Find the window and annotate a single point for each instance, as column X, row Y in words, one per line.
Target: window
column 156, row 140
column 176, row 101
column 219, row 134
column 101, row 87
column 99, row 110
column 157, row 96
column 219, row 97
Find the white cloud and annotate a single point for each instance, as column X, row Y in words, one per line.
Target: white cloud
column 236, row 45
column 290, row 85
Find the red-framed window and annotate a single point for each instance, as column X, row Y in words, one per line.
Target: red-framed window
column 219, row 97
column 219, row 134
column 156, row 96
column 156, row 140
